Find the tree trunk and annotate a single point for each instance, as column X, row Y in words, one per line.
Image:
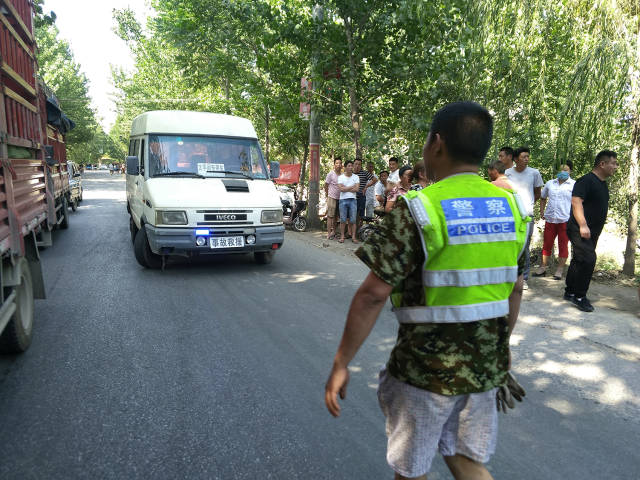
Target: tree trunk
column 356, row 121
column 267, row 148
column 303, row 171
column 629, row 267
column 226, row 96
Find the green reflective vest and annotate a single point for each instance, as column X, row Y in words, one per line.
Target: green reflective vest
column 472, row 235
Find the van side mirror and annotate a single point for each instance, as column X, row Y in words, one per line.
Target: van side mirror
column 275, row 169
column 76, row 175
column 132, row 165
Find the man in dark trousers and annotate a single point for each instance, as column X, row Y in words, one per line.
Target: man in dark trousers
column 589, row 207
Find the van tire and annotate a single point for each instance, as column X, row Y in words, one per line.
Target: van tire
column 74, row 205
column 143, row 253
column 132, row 229
column 263, row 258
column 64, row 224
column 17, row 335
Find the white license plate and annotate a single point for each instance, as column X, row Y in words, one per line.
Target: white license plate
column 226, row 242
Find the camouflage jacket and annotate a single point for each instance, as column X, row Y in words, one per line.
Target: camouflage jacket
column 445, row 358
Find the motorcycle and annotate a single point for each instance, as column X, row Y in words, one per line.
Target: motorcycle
column 293, row 215
column 370, row 224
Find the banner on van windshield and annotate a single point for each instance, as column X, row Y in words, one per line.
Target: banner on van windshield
column 289, row 174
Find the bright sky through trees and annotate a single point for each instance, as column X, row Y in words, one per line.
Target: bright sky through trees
column 87, row 26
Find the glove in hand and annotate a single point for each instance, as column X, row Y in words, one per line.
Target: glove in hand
column 508, row 392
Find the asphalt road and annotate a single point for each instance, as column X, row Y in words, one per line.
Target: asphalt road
column 215, row 369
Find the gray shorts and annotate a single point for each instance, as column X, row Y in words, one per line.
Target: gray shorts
column 420, row 423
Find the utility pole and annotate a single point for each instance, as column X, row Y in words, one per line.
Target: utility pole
column 314, row 123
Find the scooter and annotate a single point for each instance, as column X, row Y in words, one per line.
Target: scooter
column 292, row 215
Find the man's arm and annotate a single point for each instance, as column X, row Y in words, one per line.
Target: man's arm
column 536, row 193
column 514, row 303
column 578, row 214
column 543, row 207
column 365, row 308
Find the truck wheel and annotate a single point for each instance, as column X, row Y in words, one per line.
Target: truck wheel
column 133, row 229
column 143, row 253
column 300, row 223
column 64, row 224
column 17, row 335
column 263, row 258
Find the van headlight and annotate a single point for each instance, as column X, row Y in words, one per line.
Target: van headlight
column 271, row 216
column 165, row 217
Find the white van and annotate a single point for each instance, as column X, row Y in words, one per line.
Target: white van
column 197, row 183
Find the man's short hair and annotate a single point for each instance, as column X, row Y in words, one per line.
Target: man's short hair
column 604, row 156
column 394, row 159
column 466, row 129
column 403, row 169
column 357, row 160
column 520, row 150
column 498, row 166
column 383, row 171
column 337, row 159
column 507, row 151
column 347, row 162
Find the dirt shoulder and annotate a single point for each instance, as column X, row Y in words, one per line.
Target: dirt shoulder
column 604, row 291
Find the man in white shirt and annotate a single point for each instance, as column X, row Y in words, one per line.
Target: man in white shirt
column 381, row 189
column 349, row 184
column 394, row 171
column 528, row 183
column 555, row 207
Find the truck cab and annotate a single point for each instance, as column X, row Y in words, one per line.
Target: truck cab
column 197, row 184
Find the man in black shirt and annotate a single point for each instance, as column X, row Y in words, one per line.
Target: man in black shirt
column 366, row 181
column 589, row 207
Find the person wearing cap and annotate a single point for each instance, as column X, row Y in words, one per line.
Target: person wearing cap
column 450, row 256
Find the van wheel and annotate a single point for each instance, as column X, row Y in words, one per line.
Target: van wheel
column 64, row 224
column 17, row 335
column 132, row 229
column 74, row 205
column 143, row 253
column 263, row 258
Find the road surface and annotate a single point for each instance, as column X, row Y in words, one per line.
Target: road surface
column 215, row 369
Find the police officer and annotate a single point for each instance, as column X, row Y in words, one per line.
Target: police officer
column 449, row 257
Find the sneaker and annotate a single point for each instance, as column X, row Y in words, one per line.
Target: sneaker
column 583, row 304
column 569, row 297
column 525, row 285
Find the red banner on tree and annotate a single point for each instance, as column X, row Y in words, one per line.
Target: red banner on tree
column 289, row 174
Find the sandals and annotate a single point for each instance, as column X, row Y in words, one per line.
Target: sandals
column 331, row 237
column 355, row 241
column 341, row 240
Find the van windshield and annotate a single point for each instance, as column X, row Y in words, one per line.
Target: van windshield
column 205, row 156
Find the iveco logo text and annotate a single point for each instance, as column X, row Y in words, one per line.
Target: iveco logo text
column 225, row 217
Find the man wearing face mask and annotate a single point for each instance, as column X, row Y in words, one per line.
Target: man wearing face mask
column 555, row 205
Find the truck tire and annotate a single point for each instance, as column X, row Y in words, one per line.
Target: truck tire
column 263, row 258
column 17, row 335
column 143, row 253
column 64, row 224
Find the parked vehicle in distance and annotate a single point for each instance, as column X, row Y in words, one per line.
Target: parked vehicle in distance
column 75, row 185
column 197, row 183
column 103, row 167
column 89, row 167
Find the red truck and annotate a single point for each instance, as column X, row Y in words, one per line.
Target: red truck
column 34, row 180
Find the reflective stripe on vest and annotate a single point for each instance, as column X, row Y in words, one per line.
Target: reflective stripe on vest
column 468, row 278
column 452, row 313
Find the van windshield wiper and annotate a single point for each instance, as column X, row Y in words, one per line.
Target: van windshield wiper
column 234, row 172
column 169, row 174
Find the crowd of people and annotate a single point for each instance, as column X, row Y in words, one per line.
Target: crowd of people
column 354, row 194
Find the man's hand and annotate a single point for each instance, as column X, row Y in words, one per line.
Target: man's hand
column 336, row 385
column 508, row 392
column 584, row 231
